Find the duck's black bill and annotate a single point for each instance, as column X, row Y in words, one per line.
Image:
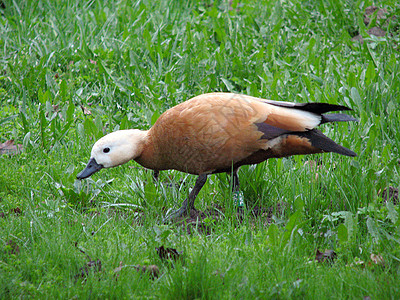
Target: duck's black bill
column 91, row 168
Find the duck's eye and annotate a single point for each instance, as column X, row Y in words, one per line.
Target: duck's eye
column 106, row 150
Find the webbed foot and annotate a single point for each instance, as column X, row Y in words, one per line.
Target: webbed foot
column 187, row 207
column 183, row 212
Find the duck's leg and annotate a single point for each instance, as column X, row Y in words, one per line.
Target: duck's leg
column 235, row 181
column 237, row 194
column 188, row 204
column 155, row 175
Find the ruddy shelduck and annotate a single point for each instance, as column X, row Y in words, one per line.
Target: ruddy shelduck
column 219, row 132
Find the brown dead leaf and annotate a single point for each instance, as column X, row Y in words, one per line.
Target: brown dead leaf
column 219, row 273
column 2, row 215
column 56, row 108
column 327, row 256
column 152, row 270
column 168, row 253
column 17, row 211
column 357, row 263
column 117, row 270
column 85, row 110
column 13, row 248
column 94, row 265
column 377, row 259
column 10, row 148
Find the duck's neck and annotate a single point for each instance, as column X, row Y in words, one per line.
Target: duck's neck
column 149, row 157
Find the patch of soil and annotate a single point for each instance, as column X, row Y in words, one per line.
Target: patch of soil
column 382, row 20
column 265, row 213
column 369, row 11
column 13, row 247
column 17, row 211
column 376, row 31
column 94, row 265
column 195, row 222
column 168, row 253
column 390, row 194
column 201, row 228
column 327, row 256
column 153, row 271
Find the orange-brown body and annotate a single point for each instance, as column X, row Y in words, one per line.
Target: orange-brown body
column 214, row 132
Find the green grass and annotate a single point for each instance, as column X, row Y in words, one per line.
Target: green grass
column 127, row 62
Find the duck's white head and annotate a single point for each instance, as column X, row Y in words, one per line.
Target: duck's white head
column 114, row 149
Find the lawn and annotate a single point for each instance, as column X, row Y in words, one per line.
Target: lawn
column 72, row 71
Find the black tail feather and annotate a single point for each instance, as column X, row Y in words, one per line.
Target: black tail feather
column 317, row 108
column 319, row 140
column 337, row 118
column 320, row 108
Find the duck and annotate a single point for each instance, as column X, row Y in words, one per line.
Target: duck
column 220, row 132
